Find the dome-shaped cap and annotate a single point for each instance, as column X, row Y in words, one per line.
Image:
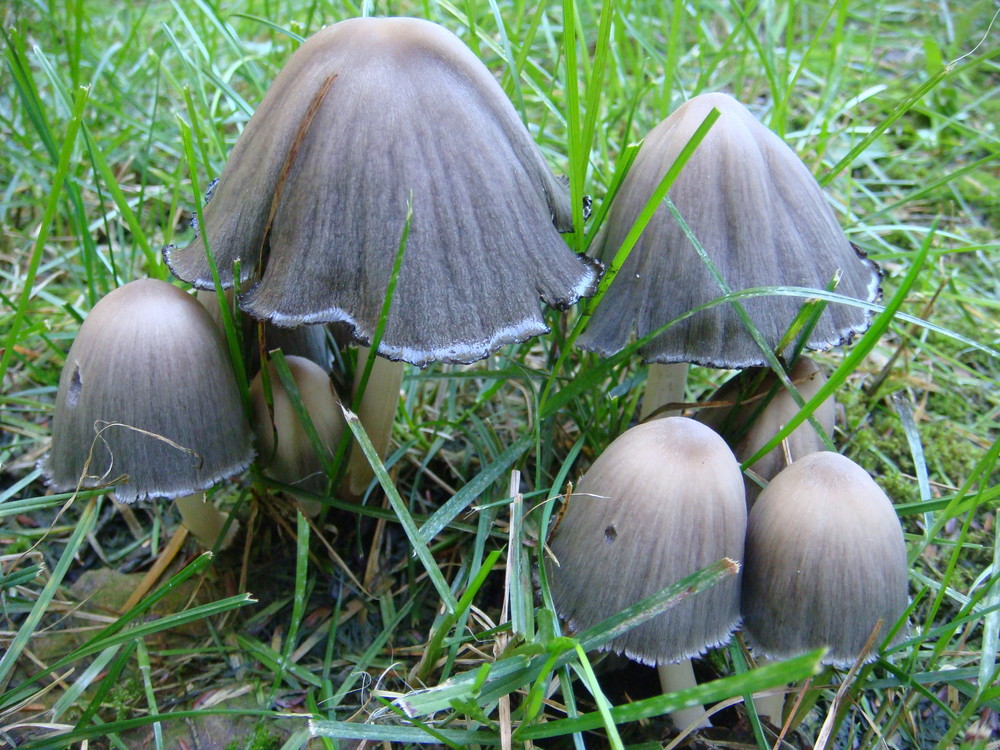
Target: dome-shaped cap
column 147, row 392
column 762, row 219
column 368, row 114
column 825, row 561
column 760, row 407
column 664, row 500
column 293, row 461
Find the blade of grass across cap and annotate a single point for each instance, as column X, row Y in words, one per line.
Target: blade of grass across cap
column 228, row 323
column 621, row 255
column 577, row 161
column 763, row 678
column 624, row 164
column 295, row 396
column 420, row 548
column 31, row 622
column 59, row 180
column 857, row 353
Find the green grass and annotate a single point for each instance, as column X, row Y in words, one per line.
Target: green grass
column 115, row 117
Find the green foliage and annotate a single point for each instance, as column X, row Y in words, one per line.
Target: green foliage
column 386, row 620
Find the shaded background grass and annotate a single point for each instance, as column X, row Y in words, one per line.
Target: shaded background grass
column 893, row 106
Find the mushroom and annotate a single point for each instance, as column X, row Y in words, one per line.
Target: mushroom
column 755, row 406
column 664, row 500
column 148, row 397
column 302, row 341
column 370, row 119
column 825, row 563
column 285, row 451
column 761, row 218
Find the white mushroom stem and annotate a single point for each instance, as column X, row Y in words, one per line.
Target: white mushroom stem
column 204, row 520
column 680, row 676
column 664, row 385
column 770, row 705
column 377, row 412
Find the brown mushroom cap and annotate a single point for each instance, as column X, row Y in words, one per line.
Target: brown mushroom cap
column 762, row 219
column 664, row 500
column 148, row 392
column 294, row 461
column 825, row 561
column 409, row 113
column 758, row 413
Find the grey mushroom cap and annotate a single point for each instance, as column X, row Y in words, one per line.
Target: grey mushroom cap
column 760, row 407
column 147, row 393
column 367, row 115
column 302, row 341
column 762, row 219
column 825, row 561
column 664, row 500
column 292, row 459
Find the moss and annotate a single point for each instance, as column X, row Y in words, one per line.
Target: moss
column 261, row 739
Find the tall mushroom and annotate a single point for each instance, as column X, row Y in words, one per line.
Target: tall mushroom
column 148, row 399
column 664, row 500
column 370, row 118
column 762, row 220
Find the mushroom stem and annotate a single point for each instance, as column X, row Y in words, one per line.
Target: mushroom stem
column 376, row 411
column 769, row 705
column 204, row 520
column 664, row 385
column 680, row 676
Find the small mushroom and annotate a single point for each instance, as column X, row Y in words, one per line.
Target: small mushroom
column 283, row 445
column 757, row 407
column 664, row 500
column 825, row 563
column 763, row 221
column 148, row 397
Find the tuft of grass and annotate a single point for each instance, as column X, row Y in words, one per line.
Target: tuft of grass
column 422, row 615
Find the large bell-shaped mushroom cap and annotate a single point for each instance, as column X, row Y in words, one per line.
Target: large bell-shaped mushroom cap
column 759, row 407
column 367, row 115
column 147, row 393
column 825, row 561
column 762, row 219
column 664, row 500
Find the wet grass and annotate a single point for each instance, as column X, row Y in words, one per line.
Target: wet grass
column 112, row 114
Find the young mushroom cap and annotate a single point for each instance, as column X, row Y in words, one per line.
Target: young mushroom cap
column 369, row 115
column 292, row 460
column 147, row 393
column 760, row 407
column 825, row 562
column 664, row 500
column 761, row 218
